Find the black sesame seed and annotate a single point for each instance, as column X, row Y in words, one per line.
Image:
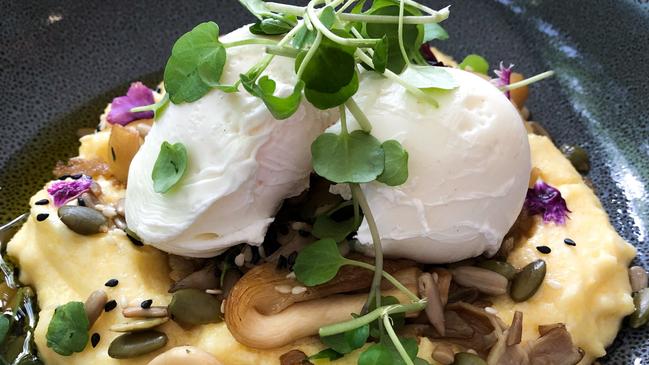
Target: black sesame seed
column 291, row 260
column 81, row 202
column 282, row 263
column 110, row 305
column 146, row 304
column 94, row 339
column 569, row 242
column 76, row 176
column 42, row 202
column 41, row 217
column 112, row 153
column 544, row 249
column 112, row 283
column 64, row 177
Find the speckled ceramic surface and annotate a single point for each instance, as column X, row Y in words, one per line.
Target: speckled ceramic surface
column 62, row 61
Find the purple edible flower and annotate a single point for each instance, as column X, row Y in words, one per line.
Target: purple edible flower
column 66, row 190
column 120, row 109
column 545, row 199
column 429, row 56
column 504, row 76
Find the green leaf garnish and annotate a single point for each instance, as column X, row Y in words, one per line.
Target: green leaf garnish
column 256, row 7
column 270, row 26
column 68, row 330
column 427, row 77
column 303, row 38
column 329, row 354
column 396, row 164
column 169, row 167
column 380, row 56
column 475, row 63
column 318, row 263
column 356, row 157
column 413, row 35
column 434, row 31
column 398, row 319
column 377, row 354
column 5, row 326
column 196, row 64
column 328, row 16
column 349, row 341
column 327, row 227
column 279, row 107
column 330, row 77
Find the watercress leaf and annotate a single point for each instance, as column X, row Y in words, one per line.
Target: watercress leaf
column 68, row 330
column 349, row 341
column 356, row 157
column 270, row 26
column 169, row 167
column 396, row 164
column 256, row 7
column 358, row 8
column 475, row 63
column 329, row 354
column 434, row 31
column 413, row 34
column 318, row 263
column 326, row 227
column 304, row 37
column 380, row 56
column 420, row 361
column 398, row 319
column 328, row 17
column 279, row 107
column 409, row 344
column 228, row 88
column 196, row 64
column 377, row 354
column 426, row 77
column 5, row 326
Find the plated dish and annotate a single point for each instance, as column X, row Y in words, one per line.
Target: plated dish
column 222, row 176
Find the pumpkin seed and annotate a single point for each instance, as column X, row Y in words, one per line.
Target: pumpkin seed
column 138, row 325
column 638, row 278
column 486, row 281
column 528, row 281
column 83, row 220
column 95, row 305
column 139, row 312
column 193, row 307
column 577, row 156
column 641, row 315
column 501, row 267
column 136, row 344
column 466, row 358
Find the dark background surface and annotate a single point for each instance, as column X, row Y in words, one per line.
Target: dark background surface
column 61, row 62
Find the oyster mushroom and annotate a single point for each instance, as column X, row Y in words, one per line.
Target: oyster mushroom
column 261, row 316
column 554, row 347
column 509, row 350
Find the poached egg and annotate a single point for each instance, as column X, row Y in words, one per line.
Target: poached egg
column 242, row 163
column 469, row 167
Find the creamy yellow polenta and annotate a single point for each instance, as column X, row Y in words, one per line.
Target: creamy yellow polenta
column 586, row 286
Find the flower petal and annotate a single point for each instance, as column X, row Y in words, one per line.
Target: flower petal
column 546, row 200
column 66, row 190
column 120, row 109
column 504, row 76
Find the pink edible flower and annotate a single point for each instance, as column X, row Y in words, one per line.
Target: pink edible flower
column 120, row 109
column 545, row 199
column 504, row 77
column 66, row 190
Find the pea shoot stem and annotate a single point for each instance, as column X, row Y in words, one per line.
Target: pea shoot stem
column 283, row 51
column 375, row 289
column 313, row 17
column 251, row 41
column 343, row 121
column 530, row 80
column 395, row 340
column 309, row 54
column 404, row 54
column 370, row 317
column 358, row 114
column 387, row 277
column 151, row 107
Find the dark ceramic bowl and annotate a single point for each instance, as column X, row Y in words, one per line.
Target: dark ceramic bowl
column 62, row 61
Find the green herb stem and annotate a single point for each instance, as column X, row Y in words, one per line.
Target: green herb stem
column 313, row 17
column 395, row 340
column 375, row 289
column 309, row 54
column 152, row 107
column 251, row 41
column 358, row 114
column 282, row 51
column 528, row 81
column 397, row 284
column 343, row 121
column 370, row 317
column 441, row 15
column 402, row 47
column 434, row 17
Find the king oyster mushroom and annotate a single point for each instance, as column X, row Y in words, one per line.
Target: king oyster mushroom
column 261, row 314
